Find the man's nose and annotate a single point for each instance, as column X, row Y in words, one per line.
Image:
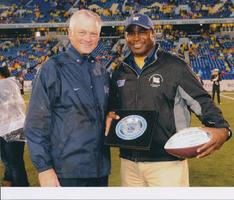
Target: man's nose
column 88, row 37
column 135, row 35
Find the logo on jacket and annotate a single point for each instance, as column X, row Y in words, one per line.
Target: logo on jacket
column 156, row 80
column 135, row 18
column 120, row 83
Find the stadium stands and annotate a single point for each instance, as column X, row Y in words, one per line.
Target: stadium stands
column 213, row 54
column 204, row 53
column 31, row 11
column 25, row 55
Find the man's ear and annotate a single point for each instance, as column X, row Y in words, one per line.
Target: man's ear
column 69, row 33
column 125, row 36
column 153, row 36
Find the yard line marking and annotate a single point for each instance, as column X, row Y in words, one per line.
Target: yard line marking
column 227, row 97
column 228, row 92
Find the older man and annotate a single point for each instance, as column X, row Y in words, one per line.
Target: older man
column 65, row 122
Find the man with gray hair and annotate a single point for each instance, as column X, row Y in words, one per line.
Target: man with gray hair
column 65, row 122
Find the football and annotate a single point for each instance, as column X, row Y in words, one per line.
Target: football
column 184, row 143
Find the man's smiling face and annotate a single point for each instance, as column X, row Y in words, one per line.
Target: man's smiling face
column 140, row 40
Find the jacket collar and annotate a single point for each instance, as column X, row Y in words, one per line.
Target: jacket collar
column 153, row 55
column 77, row 56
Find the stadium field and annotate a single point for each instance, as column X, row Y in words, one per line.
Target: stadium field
column 213, row 171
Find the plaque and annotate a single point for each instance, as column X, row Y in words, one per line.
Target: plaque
column 133, row 130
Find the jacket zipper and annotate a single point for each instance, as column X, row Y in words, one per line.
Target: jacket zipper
column 138, row 78
column 135, row 154
column 98, row 115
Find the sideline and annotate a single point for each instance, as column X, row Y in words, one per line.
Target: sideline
column 227, row 97
column 232, row 93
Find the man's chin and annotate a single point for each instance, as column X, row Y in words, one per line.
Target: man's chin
column 84, row 53
column 138, row 54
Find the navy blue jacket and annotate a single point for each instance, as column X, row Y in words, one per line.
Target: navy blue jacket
column 65, row 122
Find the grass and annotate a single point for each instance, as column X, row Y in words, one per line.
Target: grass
column 215, row 170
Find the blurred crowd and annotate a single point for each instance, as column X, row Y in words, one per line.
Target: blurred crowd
column 203, row 52
column 26, row 11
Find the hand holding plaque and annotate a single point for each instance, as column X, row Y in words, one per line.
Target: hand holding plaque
column 133, row 130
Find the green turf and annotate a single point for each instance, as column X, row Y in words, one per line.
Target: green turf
column 215, row 170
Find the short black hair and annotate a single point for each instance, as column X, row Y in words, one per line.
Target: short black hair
column 4, row 71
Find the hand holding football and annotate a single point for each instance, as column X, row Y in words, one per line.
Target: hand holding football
column 184, row 143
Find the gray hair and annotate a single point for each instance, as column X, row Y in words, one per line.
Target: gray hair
column 86, row 13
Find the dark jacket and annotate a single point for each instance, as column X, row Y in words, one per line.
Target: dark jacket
column 166, row 85
column 65, row 121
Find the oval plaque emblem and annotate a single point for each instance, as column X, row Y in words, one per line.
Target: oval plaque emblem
column 131, row 127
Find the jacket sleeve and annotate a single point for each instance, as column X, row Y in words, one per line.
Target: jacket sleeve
column 198, row 99
column 38, row 121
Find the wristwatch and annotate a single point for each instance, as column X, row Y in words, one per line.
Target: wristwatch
column 229, row 133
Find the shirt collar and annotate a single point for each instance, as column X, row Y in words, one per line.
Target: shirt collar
column 149, row 59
